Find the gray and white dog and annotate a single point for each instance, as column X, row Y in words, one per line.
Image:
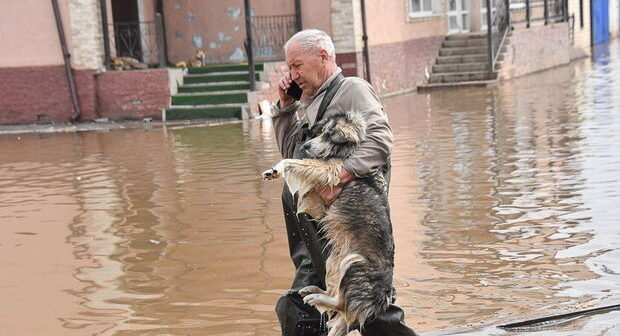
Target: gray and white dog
column 357, row 226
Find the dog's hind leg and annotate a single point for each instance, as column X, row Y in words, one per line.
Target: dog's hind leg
column 311, row 290
column 337, row 326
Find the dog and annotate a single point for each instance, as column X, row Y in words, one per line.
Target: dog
column 199, row 59
column 356, row 225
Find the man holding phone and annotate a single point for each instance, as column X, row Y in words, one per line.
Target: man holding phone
column 313, row 87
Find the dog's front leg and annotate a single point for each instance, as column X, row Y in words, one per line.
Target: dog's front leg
column 323, row 302
column 277, row 170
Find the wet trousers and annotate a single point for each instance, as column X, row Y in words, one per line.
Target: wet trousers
column 308, row 254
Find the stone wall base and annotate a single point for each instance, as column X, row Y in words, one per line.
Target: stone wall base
column 535, row 49
column 399, row 67
column 41, row 94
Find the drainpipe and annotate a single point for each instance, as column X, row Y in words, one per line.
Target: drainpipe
column 106, row 34
column 67, row 58
column 365, row 39
column 248, row 44
column 298, row 15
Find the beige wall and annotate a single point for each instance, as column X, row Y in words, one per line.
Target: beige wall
column 29, row 36
column 316, row 14
column 215, row 26
column 582, row 39
column 388, row 22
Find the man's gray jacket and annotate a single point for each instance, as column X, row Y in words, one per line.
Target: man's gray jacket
column 355, row 95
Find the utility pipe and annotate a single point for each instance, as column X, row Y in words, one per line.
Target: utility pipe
column 248, row 44
column 67, row 58
column 106, row 34
column 365, row 39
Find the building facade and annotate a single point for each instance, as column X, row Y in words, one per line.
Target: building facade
column 403, row 39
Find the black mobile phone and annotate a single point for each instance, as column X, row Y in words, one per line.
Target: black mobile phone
column 294, row 91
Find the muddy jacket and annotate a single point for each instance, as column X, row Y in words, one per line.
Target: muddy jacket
column 355, row 94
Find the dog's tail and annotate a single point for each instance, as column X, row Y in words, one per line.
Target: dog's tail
column 365, row 291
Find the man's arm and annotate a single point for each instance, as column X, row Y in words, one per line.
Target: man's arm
column 285, row 122
column 357, row 95
column 375, row 150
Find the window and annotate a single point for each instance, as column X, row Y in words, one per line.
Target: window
column 421, row 8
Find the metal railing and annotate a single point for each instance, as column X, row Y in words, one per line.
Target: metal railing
column 141, row 40
column 540, row 10
column 497, row 30
column 270, row 33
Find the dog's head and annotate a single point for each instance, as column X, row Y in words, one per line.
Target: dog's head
column 200, row 55
column 339, row 135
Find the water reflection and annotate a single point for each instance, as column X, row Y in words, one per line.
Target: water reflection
column 503, row 207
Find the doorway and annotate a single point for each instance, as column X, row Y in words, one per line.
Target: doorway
column 127, row 33
column 458, row 16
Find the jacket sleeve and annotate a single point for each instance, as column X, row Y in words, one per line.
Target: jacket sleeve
column 359, row 96
column 285, row 123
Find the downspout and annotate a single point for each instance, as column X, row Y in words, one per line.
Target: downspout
column 67, row 58
column 248, row 44
column 106, row 34
column 298, row 23
column 365, row 39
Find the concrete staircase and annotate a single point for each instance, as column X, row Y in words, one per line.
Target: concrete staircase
column 212, row 92
column 462, row 61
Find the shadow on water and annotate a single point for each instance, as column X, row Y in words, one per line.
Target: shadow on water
column 504, row 209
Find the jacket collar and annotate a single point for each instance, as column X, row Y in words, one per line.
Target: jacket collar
column 311, row 113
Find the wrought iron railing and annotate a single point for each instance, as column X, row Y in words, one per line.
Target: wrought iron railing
column 270, row 33
column 140, row 40
column 540, row 10
column 497, row 30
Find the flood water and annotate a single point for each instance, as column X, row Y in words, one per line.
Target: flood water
column 505, row 208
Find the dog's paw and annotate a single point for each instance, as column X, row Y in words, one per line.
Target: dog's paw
column 310, row 290
column 270, row 174
column 313, row 299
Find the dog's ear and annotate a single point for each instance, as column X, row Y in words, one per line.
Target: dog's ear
column 348, row 129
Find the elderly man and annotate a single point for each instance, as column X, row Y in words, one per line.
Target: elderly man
column 311, row 59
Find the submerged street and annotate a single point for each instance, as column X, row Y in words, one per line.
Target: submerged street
column 504, row 208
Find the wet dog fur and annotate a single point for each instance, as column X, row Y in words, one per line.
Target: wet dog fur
column 357, row 226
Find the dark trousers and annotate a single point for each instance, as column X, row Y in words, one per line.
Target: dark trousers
column 308, row 254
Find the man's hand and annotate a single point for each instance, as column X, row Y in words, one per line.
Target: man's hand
column 329, row 194
column 285, row 83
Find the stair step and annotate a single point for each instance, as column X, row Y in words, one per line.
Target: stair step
column 428, row 87
column 475, row 58
column 461, row 77
column 210, row 98
column 214, row 87
column 478, row 42
column 462, row 51
column 204, row 112
column 218, row 77
column 224, row 68
column 461, row 67
column 467, row 36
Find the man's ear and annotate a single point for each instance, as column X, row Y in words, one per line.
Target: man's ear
column 324, row 55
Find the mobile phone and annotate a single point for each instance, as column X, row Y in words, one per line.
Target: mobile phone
column 294, row 91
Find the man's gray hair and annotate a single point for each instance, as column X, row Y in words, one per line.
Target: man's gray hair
column 313, row 40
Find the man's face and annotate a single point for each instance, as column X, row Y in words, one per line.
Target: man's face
column 308, row 68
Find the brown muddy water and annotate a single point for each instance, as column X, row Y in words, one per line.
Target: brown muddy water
column 505, row 207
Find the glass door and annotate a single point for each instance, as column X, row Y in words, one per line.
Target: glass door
column 458, row 16
column 483, row 13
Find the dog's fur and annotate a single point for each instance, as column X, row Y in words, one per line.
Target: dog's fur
column 199, row 59
column 357, row 225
